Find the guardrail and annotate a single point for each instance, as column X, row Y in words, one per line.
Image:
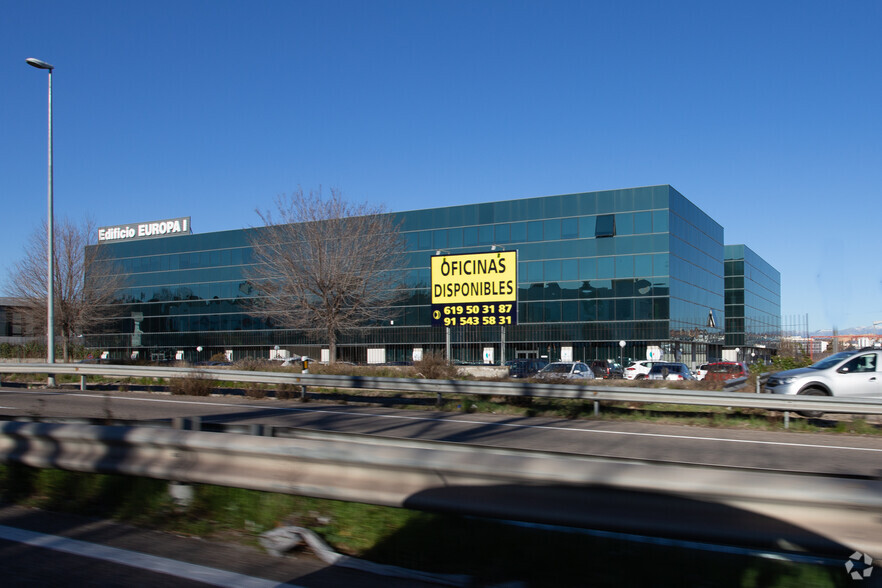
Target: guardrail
column 812, row 512
column 776, row 402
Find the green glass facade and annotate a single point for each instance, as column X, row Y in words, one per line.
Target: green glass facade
column 641, row 265
column 14, row 325
column 753, row 303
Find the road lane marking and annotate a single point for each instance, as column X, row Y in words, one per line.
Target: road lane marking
column 133, row 559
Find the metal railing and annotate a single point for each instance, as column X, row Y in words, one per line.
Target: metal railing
column 440, row 388
column 526, row 485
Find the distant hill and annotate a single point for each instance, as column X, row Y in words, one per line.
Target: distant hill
column 868, row 330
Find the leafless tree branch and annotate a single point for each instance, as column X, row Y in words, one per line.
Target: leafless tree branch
column 323, row 263
column 77, row 301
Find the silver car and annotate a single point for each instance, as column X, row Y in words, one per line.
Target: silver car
column 847, row 373
column 566, row 369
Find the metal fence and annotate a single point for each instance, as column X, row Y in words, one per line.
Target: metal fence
column 440, row 388
column 525, row 485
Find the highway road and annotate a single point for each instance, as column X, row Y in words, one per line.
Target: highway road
column 772, row 450
column 57, row 549
column 831, row 454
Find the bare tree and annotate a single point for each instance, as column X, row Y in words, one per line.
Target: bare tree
column 78, row 301
column 323, row 263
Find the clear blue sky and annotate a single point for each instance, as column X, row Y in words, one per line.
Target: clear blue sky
column 765, row 114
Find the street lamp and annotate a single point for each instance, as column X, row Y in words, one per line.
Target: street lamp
column 50, row 237
column 621, row 356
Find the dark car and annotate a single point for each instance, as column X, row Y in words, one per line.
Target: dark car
column 669, row 371
column 525, row 367
column 566, row 370
column 726, row 370
column 607, row 369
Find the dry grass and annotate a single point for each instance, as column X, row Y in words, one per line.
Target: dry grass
column 196, row 384
column 286, row 391
column 435, row 366
column 255, row 391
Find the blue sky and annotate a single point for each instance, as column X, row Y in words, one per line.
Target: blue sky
column 764, row 114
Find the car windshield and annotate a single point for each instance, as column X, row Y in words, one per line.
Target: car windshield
column 829, row 362
column 557, row 368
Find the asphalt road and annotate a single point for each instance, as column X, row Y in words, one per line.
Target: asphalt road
column 825, row 453
column 54, row 549
column 782, row 451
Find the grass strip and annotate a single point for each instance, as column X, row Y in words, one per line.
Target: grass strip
column 489, row 551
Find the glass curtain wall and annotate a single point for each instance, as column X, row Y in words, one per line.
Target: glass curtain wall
column 697, row 280
column 753, row 303
column 640, row 265
column 593, row 269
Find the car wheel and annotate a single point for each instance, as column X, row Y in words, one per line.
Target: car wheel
column 811, row 414
column 640, row 377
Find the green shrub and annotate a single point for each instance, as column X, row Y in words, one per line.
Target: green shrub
column 781, row 363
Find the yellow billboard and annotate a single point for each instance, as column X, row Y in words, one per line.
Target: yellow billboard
column 475, row 288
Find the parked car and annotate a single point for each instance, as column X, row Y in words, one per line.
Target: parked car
column 637, row 370
column 726, row 370
column 670, row 371
column 606, row 368
column 566, row 370
column 525, row 367
column 699, row 373
column 847, row 373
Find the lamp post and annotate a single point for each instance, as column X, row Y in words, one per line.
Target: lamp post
column 621, row 356
column 50, row 237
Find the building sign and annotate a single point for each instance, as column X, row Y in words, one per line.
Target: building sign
column 476, row 289
column 149, row 230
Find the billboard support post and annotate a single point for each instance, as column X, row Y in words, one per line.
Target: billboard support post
column 502, row 346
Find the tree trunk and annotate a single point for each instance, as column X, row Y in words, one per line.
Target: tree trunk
column 332, row 346
column 65, row 346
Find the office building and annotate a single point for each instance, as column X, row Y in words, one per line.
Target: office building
column 643, row 266
column 753, row 304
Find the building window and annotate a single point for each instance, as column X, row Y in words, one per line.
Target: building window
column 605, row 226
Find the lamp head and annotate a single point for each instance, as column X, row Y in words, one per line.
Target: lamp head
column 39, row 64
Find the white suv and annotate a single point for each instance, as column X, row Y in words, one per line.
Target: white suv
column 638, row 370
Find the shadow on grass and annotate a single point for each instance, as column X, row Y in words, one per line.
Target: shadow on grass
column 460, row 530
